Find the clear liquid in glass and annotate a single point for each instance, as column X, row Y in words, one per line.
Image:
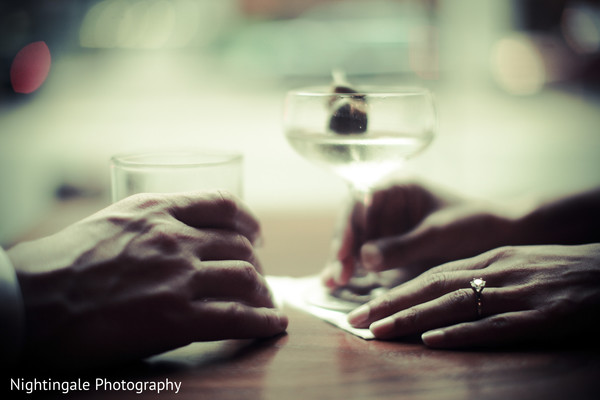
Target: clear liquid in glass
column 361, row 159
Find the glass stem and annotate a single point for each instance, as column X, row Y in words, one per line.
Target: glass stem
column 362, row 199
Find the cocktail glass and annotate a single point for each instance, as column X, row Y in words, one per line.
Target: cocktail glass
column 362, row 134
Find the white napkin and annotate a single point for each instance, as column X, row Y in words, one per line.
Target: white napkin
column 307, row 294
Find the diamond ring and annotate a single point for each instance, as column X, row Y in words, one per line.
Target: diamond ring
column 478, row 284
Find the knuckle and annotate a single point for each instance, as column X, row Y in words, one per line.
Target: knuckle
column 247, row 274
column 460, row 296
column 499, row 322
column 386, row 303
column 437, row 281
column 502, row 252
column 164, row 241
column 248, row 270
column 144, row 212
column 243, row 247
column 236, row 310
column 148, row 201
column 227, row 204
column 411, row 317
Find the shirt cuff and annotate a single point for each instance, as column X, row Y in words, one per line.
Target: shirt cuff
column 12, row 315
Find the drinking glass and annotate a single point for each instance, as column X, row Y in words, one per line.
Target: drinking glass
column 175, row 171
column 362, row 135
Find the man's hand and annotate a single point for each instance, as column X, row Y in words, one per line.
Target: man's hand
column 145, row 275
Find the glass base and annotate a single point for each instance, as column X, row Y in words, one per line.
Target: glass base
column 345, row 298
column 360, row 290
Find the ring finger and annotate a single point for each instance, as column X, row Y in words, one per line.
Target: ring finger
column 450, row 309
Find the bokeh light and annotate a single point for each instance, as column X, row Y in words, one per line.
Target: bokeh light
column 518, row 66
column 30, row 67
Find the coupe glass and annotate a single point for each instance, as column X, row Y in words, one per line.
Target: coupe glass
column 362, row 135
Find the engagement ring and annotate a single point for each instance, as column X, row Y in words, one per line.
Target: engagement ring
column 478, row 284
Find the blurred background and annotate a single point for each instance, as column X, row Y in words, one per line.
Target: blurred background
column 517, row 85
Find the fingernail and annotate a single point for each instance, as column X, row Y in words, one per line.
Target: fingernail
column 327, row 278
column 433, row 338
column 336, row 272
column 358, row 316
column 383, row 328
column 371, row 257
column 283, row 320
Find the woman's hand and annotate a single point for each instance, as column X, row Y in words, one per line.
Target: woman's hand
column 413, row 227
column 533, row 293
column 145, row 275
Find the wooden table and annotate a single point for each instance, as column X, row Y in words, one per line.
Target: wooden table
column 315, row 360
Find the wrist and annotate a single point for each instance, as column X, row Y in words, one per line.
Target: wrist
column 533, row 225
column 515, row 222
